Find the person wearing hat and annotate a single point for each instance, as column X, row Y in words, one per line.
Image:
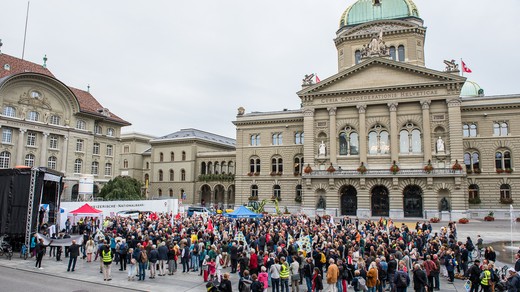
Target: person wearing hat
column 513, row 280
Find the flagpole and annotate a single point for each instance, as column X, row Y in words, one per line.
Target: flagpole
column 25, row 31
column 462, row 68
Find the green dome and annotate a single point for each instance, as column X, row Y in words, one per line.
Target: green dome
column 471, row 89
column 369, row 10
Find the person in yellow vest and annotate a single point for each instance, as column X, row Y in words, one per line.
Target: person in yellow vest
column 284, row 275
column 485, row 279
column 106, row 257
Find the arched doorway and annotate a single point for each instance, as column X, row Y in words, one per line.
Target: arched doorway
column 205, row 195
column 219, row 196
column 380, row 202
column 412, row 201
column 74, row 193
column 231, row 196
column 348, row 200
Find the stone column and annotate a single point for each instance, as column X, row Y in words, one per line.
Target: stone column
column 363, row 150
column 64, row 154
column 456, row 149
column 394, row 131
column 333, row 143
column 43, row 150
column 19, row 148
column 427, row 131
column 308, row 129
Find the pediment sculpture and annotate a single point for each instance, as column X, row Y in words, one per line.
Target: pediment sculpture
column 376, row 47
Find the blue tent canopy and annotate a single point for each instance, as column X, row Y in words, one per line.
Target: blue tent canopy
column 243, row 212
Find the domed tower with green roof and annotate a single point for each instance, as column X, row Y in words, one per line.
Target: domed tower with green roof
column 395, row 24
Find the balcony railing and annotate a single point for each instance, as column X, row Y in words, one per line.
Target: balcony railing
column 384, row 172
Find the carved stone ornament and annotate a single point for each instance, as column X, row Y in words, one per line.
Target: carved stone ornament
column 376, row 28
column 37, row 101
column 308, row 79
column 241, row 111
column 376, row 47
column 451, row 66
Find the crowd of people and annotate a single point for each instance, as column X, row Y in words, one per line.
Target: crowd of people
column 278, row 253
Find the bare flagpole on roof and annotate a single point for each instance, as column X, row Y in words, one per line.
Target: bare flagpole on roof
column 25, row 31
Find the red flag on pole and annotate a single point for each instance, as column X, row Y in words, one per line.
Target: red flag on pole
column 465, row 68
column 317, row 79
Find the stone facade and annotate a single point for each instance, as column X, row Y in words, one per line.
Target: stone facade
column 47, row 123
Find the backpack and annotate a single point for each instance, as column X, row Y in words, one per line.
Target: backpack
column 123, row 249
column 362, row 285
column 323, row 259
column 401, row 280
column 246, row 285
column 144, row 257
column 470, row 246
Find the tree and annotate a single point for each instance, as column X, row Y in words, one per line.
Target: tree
column 122, row 188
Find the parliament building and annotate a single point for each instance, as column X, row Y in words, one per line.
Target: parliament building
column 383, row 137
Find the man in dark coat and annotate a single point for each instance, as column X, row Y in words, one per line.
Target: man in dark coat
column 233, row 254
column 73, row 255
column 473, row 274
column 420, row 284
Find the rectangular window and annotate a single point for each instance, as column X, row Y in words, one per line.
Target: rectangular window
column 53, row 142
column 31, row 139
column 95, row 149
column 109, row 150
column 7, row 135
column 79, row 145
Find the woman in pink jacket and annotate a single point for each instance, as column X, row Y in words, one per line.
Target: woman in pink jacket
column 262, row 278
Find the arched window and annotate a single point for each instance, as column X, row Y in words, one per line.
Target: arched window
column 183, row 155
column 378, row 142
column 254, row 191
column 172, row 156
column 98, row 129
column 33, row 116
column 159, row 192
column 400, row 53
column 78, row 166
column 55, row 120
column 203, row 167
column 5, row 159
column 210, row 167
column 161, row 157
column 170, row 192
column 473, row 191
column 217, row 167
column 52, row 162
column 7, row 135
column 299, row 138
column 254, row 165
column 505, row 192
column 231, row 167
column 299, row 192
column 276, row 165
column 223, row 167
column 298, row 165
column 183, row 175
column 472, row 162
column 125, row 163
column 110, row 132
column 469, row 130
column 500, row 129
column 108, row 168
column 160, row 175
column 410, row 139
column 357, row 56
column 255, row 140
column 277, row 139
column 9, row 111
column 348, row 142
column 393, row 54
column 277, row 192
column 147, row 165
column 81, row 125
column 171, row 175
column 95, row 168
column 29, row 160
column 503, row 160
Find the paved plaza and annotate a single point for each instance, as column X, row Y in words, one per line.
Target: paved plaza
column 88, row 277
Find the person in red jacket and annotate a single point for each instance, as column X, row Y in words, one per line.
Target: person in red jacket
column 253, row 262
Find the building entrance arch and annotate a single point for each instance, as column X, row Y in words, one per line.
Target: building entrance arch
column 348, row 196
column 413, row 201
column 380, row 201
column 205, row 195
column 220, row 193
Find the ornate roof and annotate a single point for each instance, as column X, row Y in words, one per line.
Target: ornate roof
column 194, row 134
column 11, row 66
column 471, row 89
column 369, row 10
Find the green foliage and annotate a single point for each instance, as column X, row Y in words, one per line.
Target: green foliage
column 217, row 177
column 122, row 188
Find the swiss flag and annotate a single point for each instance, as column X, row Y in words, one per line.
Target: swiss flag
column 465, row 68
column 317, row 79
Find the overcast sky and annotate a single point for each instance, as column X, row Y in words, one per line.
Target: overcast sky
column 168, row 65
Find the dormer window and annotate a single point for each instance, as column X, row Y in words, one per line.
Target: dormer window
column 7, row 67
column 35, row 94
